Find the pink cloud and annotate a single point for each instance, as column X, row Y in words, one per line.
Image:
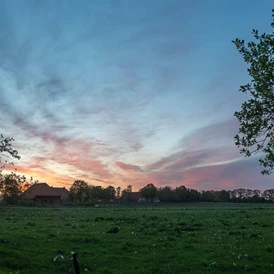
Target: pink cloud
column 243, row 173
column 81, row 155
column 128, row 167
column 211, row 135
column 204, row 160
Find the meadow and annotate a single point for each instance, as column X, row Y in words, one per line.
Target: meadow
column 202, row 238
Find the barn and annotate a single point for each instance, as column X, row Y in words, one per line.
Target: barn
column 43, row 194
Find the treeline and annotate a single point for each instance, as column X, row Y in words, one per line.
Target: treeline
column 183, row 194
column 12, row 186
column 82, row 192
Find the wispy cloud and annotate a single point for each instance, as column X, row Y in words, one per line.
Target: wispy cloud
column 129, row 167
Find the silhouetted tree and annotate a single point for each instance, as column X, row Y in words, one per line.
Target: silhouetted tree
column 149, row 192
column 12, row 186
column 6, row 151
column 166, row 194
column 129, row 188
column 97, row 193
column 207, row 196
column 256, row 117
column 223, row 196
column 181, row 193
column 79, row 191
column 118, row 192
column 214, row 196
column 193, row 195
column 110, row 193
column 126, row 196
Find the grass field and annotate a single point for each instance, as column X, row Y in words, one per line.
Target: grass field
column 230, row 238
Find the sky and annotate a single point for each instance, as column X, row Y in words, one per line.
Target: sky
column 119, row 92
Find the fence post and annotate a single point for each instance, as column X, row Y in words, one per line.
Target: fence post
column 76, row 263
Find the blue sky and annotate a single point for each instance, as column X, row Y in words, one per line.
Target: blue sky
column 128, row 92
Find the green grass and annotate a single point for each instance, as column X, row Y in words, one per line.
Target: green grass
column 177, row 239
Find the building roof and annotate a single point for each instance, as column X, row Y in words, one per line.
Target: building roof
column 61, row 190
column 41, row 189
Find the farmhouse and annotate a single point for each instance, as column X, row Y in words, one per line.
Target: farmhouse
column 42, row 193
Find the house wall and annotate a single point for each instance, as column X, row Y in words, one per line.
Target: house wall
column 47, row 200
column 65, row 198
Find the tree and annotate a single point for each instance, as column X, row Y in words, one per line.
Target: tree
column 110, row 193
column 97, row 193
column 12, row 185
column 79, row 190
column 149, row 192
column 193, row 195
column 166, row 194
column 129, row 188
column 124, row 197
column 7, row 151
column 268, row 194
column 182, row 193
column 223, row 196
column 256, row 117
column 118, row 192
column 207, row 196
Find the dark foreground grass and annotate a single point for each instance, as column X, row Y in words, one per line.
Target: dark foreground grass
column 177, row 239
